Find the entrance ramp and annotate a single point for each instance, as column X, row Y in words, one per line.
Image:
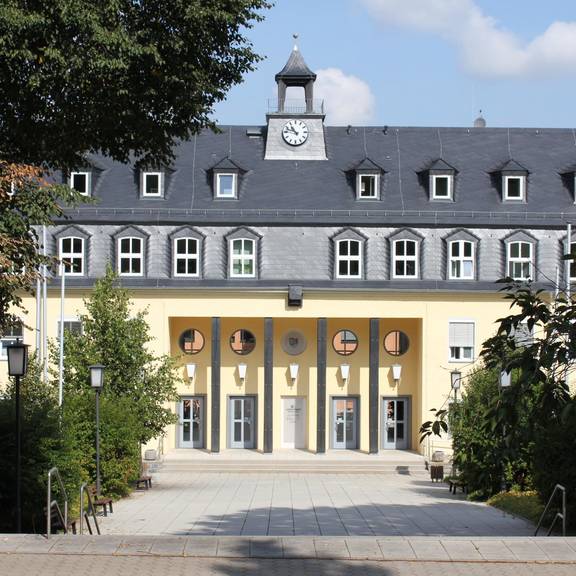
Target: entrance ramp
column 296, row 462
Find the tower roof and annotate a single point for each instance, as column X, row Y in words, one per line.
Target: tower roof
column 295, row 68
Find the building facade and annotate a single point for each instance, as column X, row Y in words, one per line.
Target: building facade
column 318, row 284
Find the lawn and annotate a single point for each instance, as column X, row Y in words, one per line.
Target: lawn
column 524, row 504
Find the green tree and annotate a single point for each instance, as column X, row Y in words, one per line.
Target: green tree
column 121, row 340
column 126, row 78
column 122, row 77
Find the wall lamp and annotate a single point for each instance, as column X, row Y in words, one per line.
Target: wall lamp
column 345, row 372
column 191, row 372
column 396, row 373
column 455, row 382
column 294, row 372
column 242, row 372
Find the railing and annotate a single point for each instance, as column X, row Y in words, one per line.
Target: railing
column 91, row 510
column 561, row 515
column 51, row 503
column 295, row 106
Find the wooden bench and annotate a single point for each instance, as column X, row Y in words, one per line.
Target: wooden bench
column 103, row 501
column 144, row 481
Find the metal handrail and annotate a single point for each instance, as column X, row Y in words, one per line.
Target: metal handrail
column 91, row 510
column 561, row 515
column 54, row 472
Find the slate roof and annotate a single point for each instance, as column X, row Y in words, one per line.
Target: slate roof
column 295, row 68
column 318, row 192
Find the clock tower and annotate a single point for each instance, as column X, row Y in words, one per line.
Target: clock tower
column 295, row 125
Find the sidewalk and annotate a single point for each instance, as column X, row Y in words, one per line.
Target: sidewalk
column 414, row 549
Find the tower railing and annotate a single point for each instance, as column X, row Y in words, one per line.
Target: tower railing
column 295, row 106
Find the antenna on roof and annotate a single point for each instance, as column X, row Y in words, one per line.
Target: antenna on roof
column 295, row 36
column 385, row 130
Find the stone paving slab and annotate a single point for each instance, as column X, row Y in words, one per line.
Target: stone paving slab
column 528, row 550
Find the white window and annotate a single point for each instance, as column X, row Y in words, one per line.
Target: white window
column 461, row 260
column 405, row 259
column 130, row 256
column 520, row 260
column 80, row 181
column 514, row 187
column 348, row 259
column 74, row 326
column 442, row 187
column 243, row 258
column 152, row 184
column 572, row 262
column 8, row 338
column 367, row 186
column 71, row 254
column 226, row 185
column 186, row 252
column 461, row 341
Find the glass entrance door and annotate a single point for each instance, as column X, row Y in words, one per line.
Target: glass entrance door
column 192, row 422
column 344, row 412
column 242, row 422
column 395, row 424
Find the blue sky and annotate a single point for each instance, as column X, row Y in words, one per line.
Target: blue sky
column 421, row 62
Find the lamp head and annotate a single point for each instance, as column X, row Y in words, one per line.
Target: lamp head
column 97, row 376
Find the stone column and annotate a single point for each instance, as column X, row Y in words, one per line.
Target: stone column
column 321, row 385
column 268, row 384
column 215, row 385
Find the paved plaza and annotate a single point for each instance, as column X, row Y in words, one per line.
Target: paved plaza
column 184, row 502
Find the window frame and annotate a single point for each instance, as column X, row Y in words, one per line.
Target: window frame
column 252, row 257
column 88, row 176
column 70, row 320
column 219, row 195
column 186, row 257
column 396, row 258
column 8, row 339
column 571, row 262
column 130, row 255
column 506, row 179
column 520, row 260
column 461, row 259
column 460, row 358
column 349, row 258
column 376, row 177
column 433, row 185
column 145, row 193
column 71, row 256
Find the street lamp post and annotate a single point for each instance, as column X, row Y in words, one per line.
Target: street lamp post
column 97, row 383
column 504, row 383
column 17, row 366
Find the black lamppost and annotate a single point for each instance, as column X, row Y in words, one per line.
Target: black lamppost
column 17, row 366
column 97, row 383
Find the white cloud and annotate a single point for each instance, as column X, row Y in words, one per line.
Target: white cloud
column 348, row 99
column 486, row 48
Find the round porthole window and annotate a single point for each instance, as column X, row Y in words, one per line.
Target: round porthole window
column 242, row 342
column 293, row 343
column 396, row 343
column 191, row 341
column 345, row 342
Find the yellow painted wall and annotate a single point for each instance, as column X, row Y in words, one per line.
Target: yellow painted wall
column 423, row 316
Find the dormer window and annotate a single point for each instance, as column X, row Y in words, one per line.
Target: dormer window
column 243, row 253
column 440, row 183
column 368, row 186
column 442, row 186
column 514, row 181
column 367, row 174
column 81, row 182
column 226, row 185
column 152, row 185
column 515, row 187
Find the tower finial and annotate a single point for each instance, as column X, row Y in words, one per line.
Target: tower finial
column 295, row 36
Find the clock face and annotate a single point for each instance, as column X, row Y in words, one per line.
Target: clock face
column 295, row 132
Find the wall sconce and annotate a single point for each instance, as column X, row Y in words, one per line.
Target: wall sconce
column 191, row 372
column 455, row 382
column 293, row 372
column 505, row 379
column 242, row 372
column 396, row 373
column 345, row 372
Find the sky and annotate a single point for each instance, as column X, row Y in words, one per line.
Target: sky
column 420, row 62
